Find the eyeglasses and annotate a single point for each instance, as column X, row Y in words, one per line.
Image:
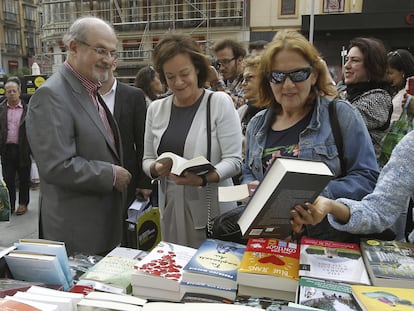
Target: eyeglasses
column 224, row 61
column 101, row 51
column 299, row 75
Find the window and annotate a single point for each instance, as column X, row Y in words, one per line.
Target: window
column 288, row 7
column 335, row 6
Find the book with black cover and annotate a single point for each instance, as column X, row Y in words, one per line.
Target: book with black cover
column 288, row 182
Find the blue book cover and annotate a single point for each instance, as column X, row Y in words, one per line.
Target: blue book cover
column 36, row 267
column 215, row 263
column 48, row 247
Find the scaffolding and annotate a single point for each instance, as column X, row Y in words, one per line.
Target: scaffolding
column 141, row 23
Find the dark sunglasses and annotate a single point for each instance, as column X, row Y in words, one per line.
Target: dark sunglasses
column 299, row 75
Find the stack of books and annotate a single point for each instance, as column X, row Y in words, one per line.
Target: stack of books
column 269, row 268
column 38, row 260
column 213, row 269
column 158, row 275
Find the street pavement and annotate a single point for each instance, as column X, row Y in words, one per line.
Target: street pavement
column 23, row 226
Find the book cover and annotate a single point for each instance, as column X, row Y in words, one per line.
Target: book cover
column 389, row 263
column 215, row 263
column 35, row 304
column 270, row 263
column 163, row 267
column 383, row 298
column 287, row 182
column 112, row 270
column 8, row 287
column 326, row 295
column 199, row 165
column 36, row 267
column 48, row 247
column 336, row 261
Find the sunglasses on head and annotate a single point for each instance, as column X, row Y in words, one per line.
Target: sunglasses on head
column 298, row 75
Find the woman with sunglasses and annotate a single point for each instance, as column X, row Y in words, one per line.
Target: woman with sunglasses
column 295, row 87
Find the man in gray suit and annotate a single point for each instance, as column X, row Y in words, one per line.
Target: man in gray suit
column 76, row 144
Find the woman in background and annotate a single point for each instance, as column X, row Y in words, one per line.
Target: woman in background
column 149, row 81
column 400, row 67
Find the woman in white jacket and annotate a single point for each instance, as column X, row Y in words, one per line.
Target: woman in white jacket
column 178, row 123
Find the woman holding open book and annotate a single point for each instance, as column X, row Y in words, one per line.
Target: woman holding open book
column 296, row 89
column 376, row 211
column 182, row 124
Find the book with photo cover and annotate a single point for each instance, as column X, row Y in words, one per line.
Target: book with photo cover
column 389, row 263
column 383, row 298
column 330, row 260
column 326, row 295
column 199, row 165
column 288, row 182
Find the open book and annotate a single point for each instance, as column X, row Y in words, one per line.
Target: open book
column 288, row 182
column 199, row 165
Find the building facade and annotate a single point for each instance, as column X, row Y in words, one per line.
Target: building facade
column 33, row 30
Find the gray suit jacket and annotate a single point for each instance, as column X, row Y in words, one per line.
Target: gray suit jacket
column 75, row 157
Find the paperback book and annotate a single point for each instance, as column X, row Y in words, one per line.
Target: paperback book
column 288, row 182
column 383, row 298
column 215, row 263
column 389, row 263
column 326, row 295
column 329, row 260
column 270, row 264
column 199, row 165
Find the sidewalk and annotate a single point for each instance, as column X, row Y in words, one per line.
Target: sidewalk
column 24, row 226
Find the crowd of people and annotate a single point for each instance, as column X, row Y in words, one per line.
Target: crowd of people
column 96, row 140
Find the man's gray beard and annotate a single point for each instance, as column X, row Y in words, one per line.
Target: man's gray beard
column 101, row 77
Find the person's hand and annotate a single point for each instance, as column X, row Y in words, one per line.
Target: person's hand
column 123, row 177
column 187, row 178
column 144, row 193
column 161, row 169
column 312, row 214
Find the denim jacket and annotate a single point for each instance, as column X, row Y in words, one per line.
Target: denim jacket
column 316, row 142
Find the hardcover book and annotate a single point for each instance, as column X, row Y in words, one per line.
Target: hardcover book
column 48, row 247
column 36, row 267
column 215, row 263
column 383, row 298
column 288, row 182
column 389, row 263
column 326, row 295
column 329, row 260
column 199, row 165
column 271, row 264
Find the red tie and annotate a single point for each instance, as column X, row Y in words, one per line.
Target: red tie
column 104, row 117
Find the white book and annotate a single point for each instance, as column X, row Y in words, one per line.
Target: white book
column 64, row 304
column 39, row 305
column 116, row 297
column 199, row 165
column 74, row 297
column 288, row 182
column 95, row 304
